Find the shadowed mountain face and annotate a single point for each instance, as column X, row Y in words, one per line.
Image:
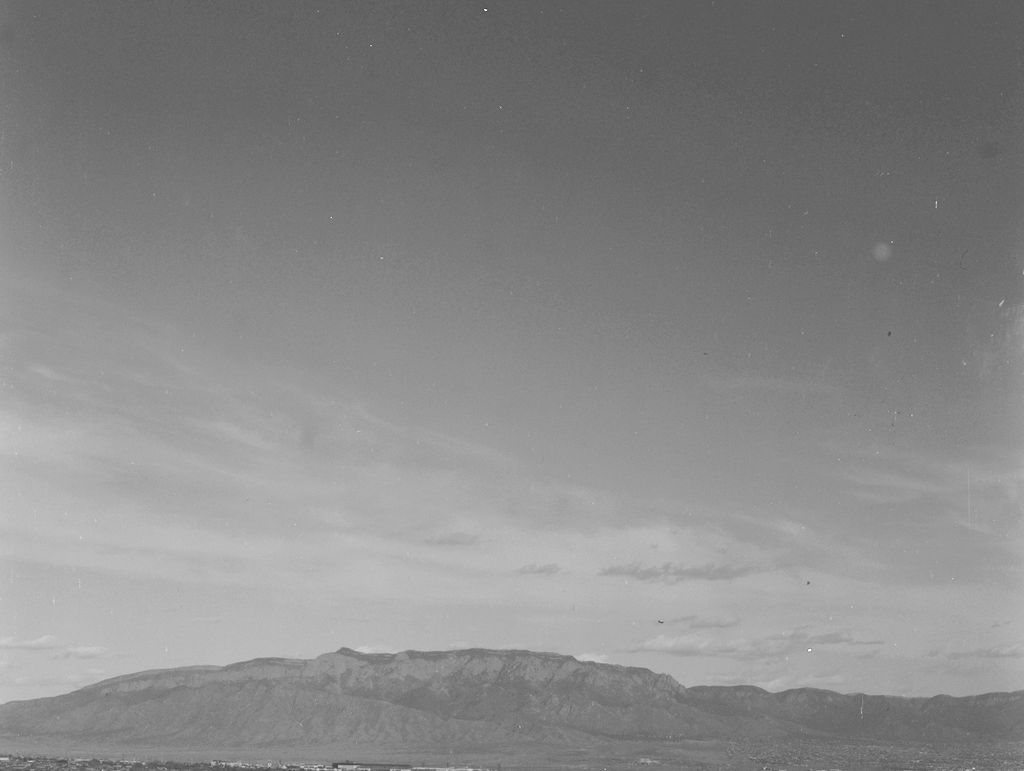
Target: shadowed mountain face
column 473, row 698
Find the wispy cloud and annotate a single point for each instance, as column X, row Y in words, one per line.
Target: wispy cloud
column 165, row 435
column 548, row 569
column 301, row 479
column 878, row 485
column 750, row 647
column 992, row 482
column 453, row 539
column 1014, row 651
column 45, row 642
column 705, row 622
column 966, row 505
column 81, row 652
column 837, row 638
column 670, row 573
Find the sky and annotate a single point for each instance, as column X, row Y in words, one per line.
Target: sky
column 687, row 336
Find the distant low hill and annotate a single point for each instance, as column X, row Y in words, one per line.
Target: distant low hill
column 490, row 701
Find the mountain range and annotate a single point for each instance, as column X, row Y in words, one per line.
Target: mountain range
column 485, row 701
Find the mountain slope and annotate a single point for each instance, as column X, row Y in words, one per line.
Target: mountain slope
column 938, row 718
column 480, row 698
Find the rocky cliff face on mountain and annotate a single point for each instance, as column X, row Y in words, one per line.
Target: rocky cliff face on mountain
column 472, row 698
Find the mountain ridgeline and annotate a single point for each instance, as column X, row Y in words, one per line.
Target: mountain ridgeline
column 485, row 699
